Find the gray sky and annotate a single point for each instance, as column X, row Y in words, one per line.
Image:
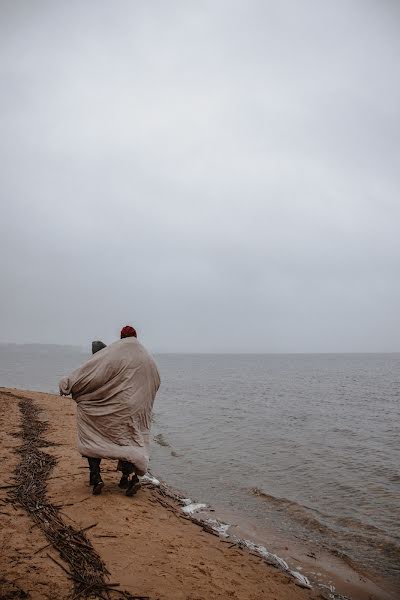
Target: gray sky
column 224, row 175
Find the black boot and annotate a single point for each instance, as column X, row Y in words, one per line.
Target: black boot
column 98, row 485
column 133, row 486
column 124, row 482
column 127, row 468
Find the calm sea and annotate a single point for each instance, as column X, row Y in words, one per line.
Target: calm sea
column 306, row 444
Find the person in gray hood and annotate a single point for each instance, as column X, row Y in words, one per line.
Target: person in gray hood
column 97, row 345
column 126, row 467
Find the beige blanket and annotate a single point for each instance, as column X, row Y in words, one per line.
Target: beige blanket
column 114, row 391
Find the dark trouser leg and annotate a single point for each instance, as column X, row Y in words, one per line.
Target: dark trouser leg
column 95, row 477
column 94, row 466
column 126, row 467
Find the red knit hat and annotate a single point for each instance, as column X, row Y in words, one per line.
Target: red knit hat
column 128, row 331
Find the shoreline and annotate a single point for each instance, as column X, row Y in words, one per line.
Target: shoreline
column 158, row 505
column 328, row 573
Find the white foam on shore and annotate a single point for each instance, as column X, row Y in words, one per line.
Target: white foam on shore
column 189, row 509
column 185, row 501
column 219, row 527
column 302, row 580
column 150, row 479
column 277, row 561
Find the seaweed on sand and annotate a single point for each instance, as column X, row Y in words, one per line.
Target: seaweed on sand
column 85, row 567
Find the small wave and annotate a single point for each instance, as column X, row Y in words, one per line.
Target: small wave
column 161, row 441
column 299, row 512
column 274, row 499
column 344, row 529
column 355, row 524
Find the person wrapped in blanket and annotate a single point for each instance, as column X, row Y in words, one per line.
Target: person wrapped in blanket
column 114, row 391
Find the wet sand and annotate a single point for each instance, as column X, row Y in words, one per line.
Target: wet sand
column 148, row 548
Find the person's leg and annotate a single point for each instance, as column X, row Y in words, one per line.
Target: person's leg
column 95, row 477
column 94, row 468
column 126, row 468
column 131, row 485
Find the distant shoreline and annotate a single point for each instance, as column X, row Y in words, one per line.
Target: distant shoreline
column 87, row 348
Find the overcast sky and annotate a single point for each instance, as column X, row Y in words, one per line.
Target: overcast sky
column 223, row 175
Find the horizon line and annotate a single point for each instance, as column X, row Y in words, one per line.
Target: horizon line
column 196, row 352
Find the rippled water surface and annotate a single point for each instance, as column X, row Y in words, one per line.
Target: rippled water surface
column 303, row 443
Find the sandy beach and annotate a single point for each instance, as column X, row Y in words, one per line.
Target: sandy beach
column 146, row 545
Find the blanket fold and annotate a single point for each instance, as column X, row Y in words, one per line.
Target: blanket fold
column 114, row 391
